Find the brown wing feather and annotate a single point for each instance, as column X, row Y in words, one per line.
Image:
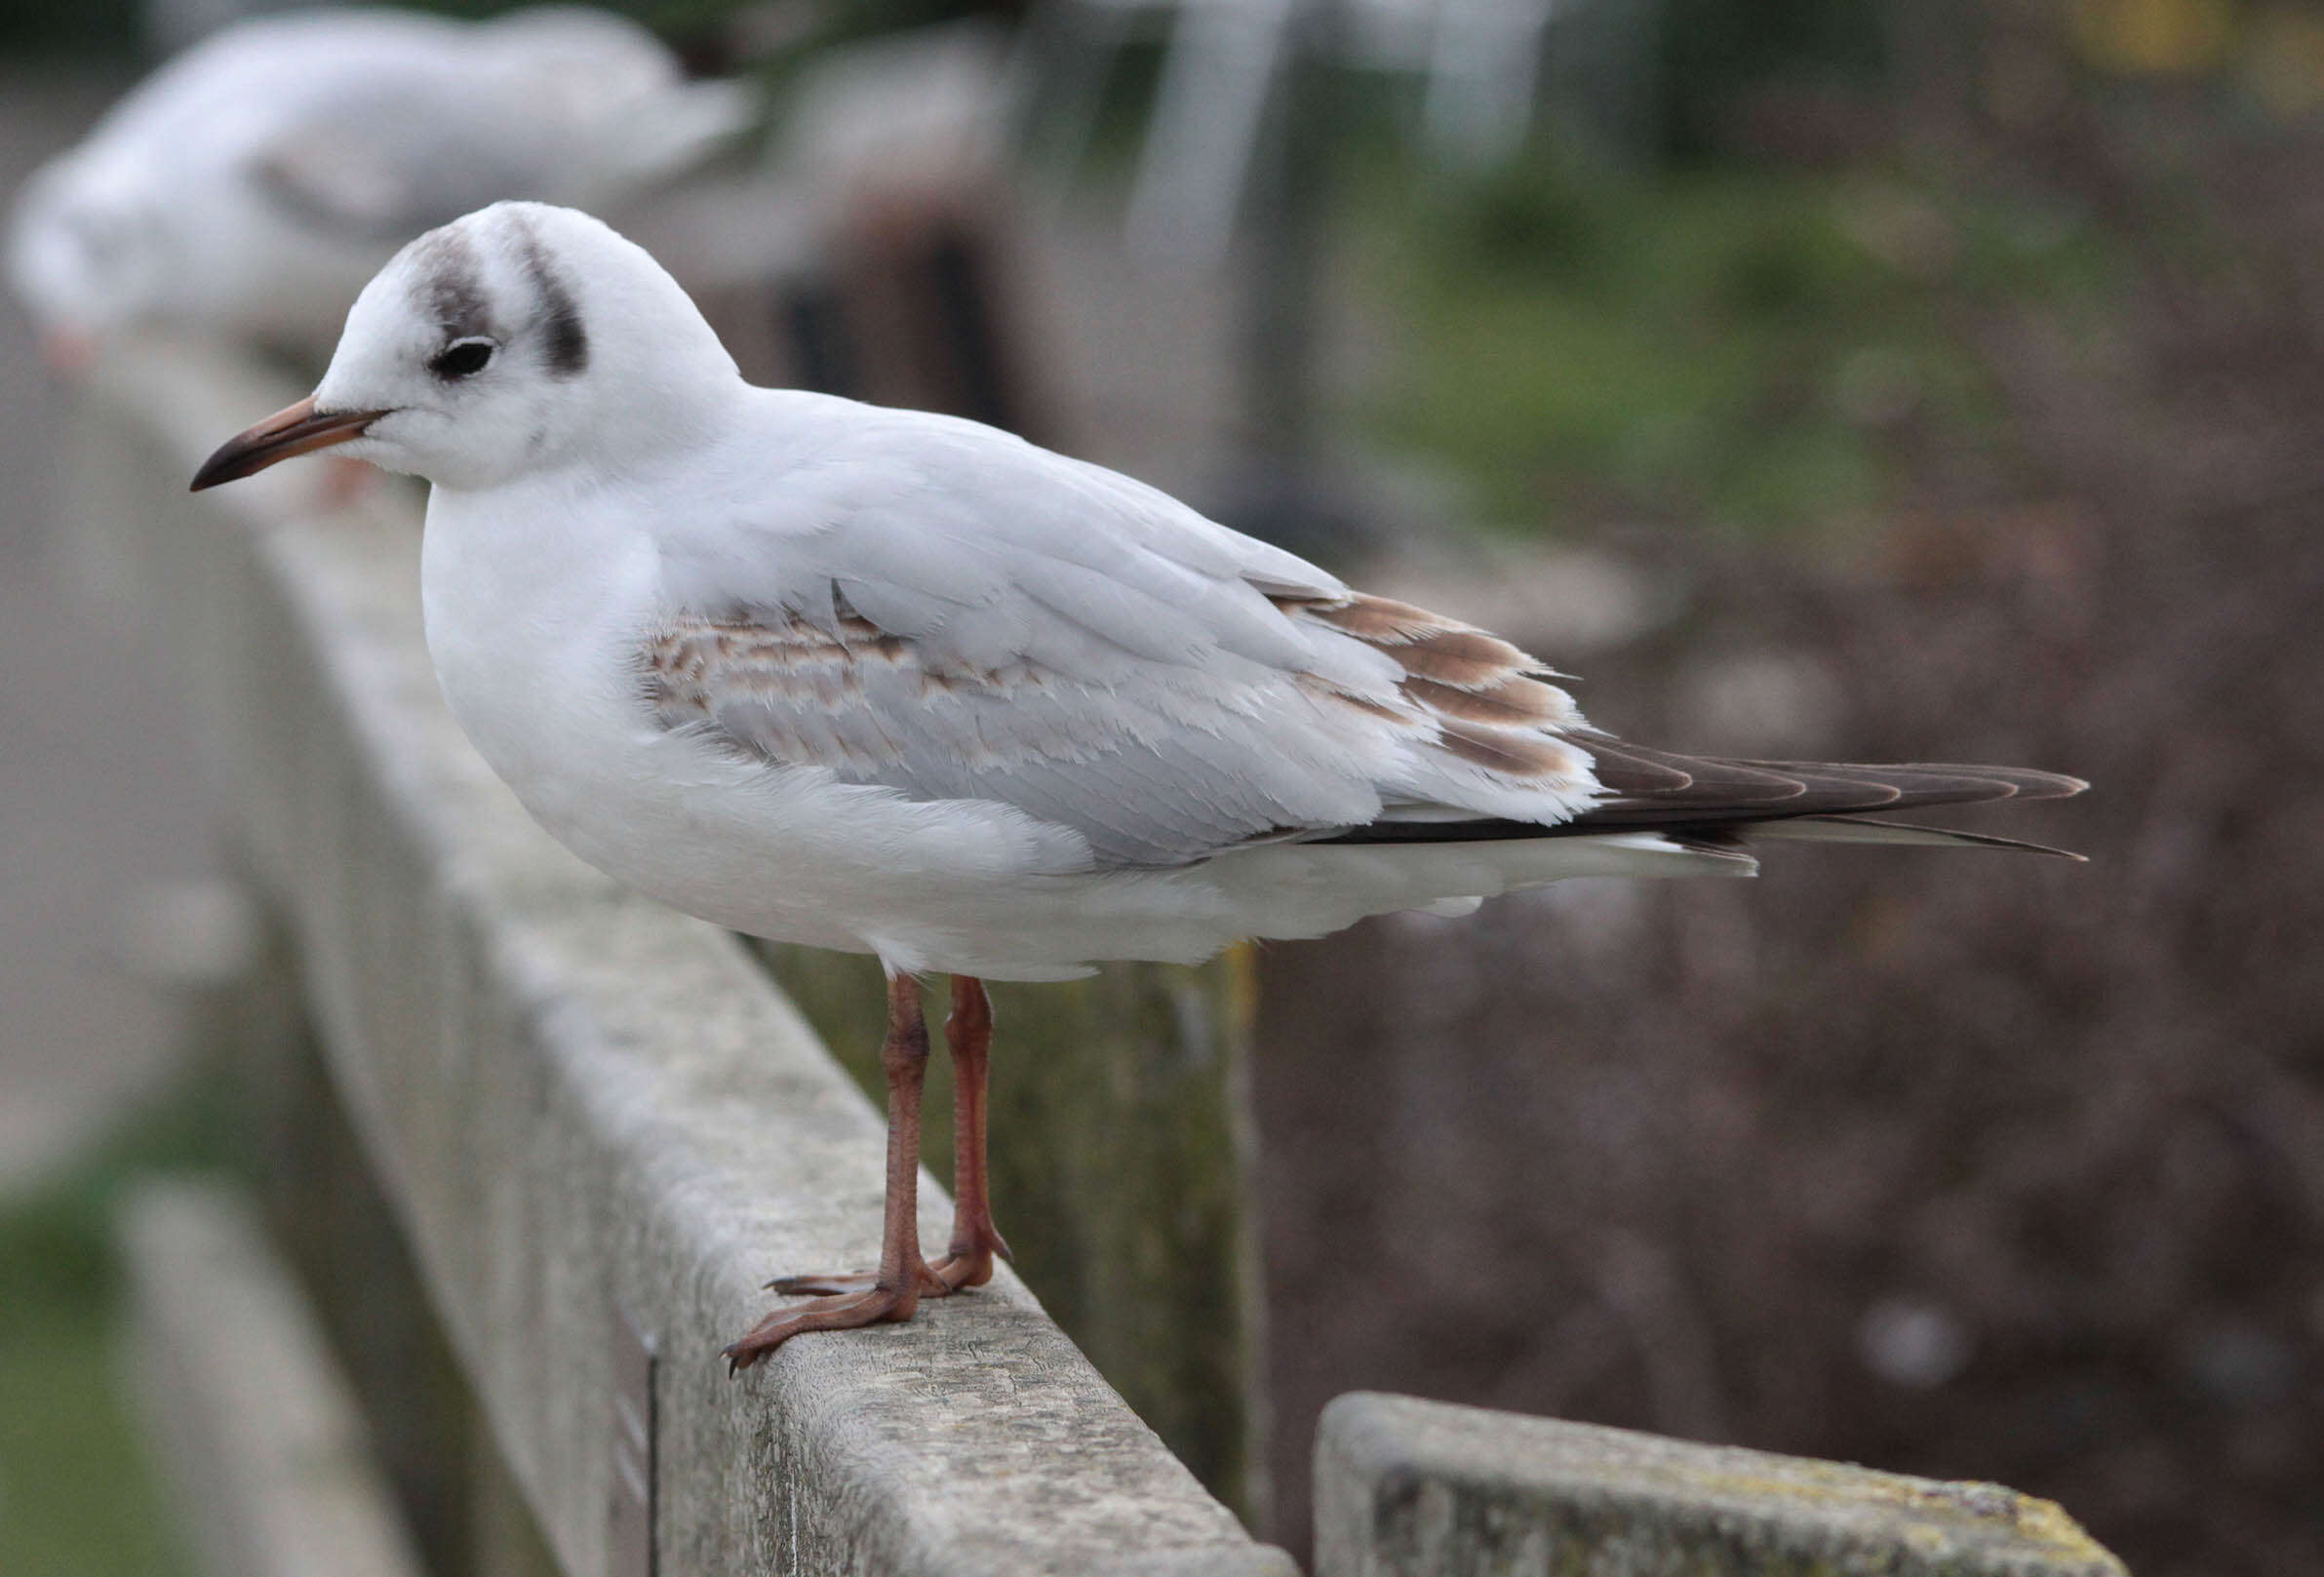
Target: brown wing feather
column 1468, row 693
column 1485, row 701
column 1490, row 704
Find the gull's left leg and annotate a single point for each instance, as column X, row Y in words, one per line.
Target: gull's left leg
column 895, row 1290
column 968, row 1031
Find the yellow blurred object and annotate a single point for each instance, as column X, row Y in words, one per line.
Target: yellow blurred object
column 2283, row 61
column 2154, row 37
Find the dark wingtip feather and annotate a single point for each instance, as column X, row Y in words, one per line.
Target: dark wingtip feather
column 2002, row 782
column 1871, row 830
column 1652, row 787
column 1717, row 800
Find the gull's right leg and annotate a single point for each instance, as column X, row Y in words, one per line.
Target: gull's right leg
column 895, row 1290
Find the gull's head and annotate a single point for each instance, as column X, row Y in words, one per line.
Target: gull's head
column 85, row 253
column 519, row 339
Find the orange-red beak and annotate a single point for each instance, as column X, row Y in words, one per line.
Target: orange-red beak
column 300, row 430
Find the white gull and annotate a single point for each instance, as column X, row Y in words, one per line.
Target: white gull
column 900, row 684
column 254, row 183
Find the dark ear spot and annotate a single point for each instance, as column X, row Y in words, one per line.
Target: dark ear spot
column 454, row 287
column 568, row 342
column 565, row 341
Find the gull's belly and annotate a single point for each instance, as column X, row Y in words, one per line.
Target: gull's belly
column 964, row 886
column 781, row 852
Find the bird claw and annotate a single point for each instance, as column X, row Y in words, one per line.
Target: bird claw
column 839, row 1282
column 968, row 1262
column 844, row 1282
column 844, row 1313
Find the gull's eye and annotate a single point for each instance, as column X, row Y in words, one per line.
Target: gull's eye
column 462, row 357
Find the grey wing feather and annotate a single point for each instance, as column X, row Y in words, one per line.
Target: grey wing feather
column 940, row 609
column 991, row 621
column 1120, row 765
column 387, row 167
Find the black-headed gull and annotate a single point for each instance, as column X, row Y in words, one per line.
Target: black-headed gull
column 254, row 183
column 904, row 685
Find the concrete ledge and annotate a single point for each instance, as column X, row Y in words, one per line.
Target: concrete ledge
column 1406, row 1488
column 252, row 1423
column 590, row 1114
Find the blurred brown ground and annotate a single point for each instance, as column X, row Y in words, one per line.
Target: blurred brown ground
column 1955, row 1164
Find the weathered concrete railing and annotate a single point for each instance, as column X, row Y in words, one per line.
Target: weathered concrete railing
column 1411, row 1488
column 253, row 1415
column 555, row 1135
column 596, row 1123
column 1120, row 1161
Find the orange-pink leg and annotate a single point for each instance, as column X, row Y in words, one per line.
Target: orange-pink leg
column 969, row 1031
column 968, row 1257
column 895, row 1290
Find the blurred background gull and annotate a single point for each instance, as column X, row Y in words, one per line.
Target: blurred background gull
column 256, row 181
column 1815, row 378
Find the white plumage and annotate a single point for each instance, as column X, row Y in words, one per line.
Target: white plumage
column 900, row 684
column 254, row 184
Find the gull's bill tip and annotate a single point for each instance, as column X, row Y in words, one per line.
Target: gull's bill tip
column 299, row 429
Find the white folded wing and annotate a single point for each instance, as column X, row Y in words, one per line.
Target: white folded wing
column 928, row 606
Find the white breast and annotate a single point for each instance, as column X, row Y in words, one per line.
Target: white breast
column 525, row 624
column 534, row 636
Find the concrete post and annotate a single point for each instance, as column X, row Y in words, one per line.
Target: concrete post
column 1412, row 1488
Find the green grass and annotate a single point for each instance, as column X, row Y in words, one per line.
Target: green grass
column 1747, row 345
column 77, row 1498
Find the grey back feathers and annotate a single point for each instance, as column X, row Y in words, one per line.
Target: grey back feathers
column 1087, row 656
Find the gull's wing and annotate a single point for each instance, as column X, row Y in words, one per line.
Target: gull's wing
column 391, row 154
column 391, row 160
column 936, row 609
